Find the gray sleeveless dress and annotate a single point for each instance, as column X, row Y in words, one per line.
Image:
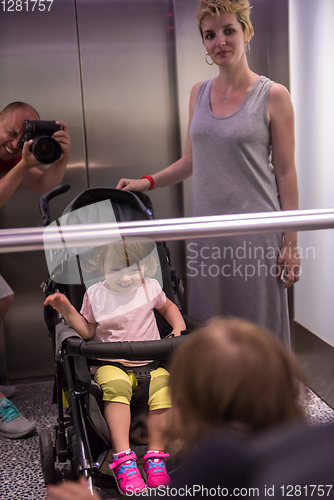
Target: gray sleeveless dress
column 233, row 174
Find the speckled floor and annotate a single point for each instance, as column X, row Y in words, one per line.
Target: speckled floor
column 20, row 470
column 317, row 410
column 21, row 475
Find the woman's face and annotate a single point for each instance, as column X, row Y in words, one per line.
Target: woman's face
column 119, row 278
column 224, row 38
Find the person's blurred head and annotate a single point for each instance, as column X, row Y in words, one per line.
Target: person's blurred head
column 233, row 374
column 12, row 126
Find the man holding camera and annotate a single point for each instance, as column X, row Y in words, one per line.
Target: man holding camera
column 18, row 165
column 23, row 170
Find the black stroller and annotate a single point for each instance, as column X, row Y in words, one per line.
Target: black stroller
column 81, row 435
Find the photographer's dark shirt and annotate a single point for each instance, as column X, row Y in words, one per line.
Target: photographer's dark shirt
column 6, row 166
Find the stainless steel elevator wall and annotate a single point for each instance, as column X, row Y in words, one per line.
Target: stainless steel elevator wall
column 38, row 65
column 121, row 117
column 129, row 96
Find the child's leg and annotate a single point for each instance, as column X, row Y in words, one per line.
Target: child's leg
column 160, row 404
column 117, row 388
column 117, row 393
column 157, row 425
column 118, row 418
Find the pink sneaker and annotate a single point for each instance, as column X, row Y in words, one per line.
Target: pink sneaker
column 127, row 475
column 155, row 469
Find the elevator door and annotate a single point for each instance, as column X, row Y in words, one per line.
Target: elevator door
column 127, row 52
column 39, row 65
column 107, row 69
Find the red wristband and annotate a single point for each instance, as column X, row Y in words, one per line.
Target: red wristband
column 150, row 178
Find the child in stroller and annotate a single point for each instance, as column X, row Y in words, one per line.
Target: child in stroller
column 121, row 308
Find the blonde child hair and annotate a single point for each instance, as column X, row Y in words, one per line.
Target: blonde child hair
column 129, row 251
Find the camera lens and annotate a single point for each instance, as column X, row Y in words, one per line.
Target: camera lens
column 46, row 149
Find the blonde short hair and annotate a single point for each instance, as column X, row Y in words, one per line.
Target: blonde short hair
column 240, row 8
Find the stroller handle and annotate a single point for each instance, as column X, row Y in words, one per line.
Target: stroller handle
column 46, row 197
column 133, row 351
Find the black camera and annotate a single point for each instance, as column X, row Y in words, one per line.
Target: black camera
column 44, row 147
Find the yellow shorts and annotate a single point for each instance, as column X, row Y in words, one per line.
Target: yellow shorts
column 118, row 386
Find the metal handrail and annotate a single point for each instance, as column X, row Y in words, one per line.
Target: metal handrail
column 30, row 239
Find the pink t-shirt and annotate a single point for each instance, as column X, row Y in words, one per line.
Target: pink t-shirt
column 124, row 316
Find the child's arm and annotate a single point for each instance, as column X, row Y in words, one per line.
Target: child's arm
column 172, row 314
column 61, row 303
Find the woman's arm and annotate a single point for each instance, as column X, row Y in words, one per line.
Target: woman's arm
column 176, row 172
column 281, row 116
column 17, row 175
column 61, row 303
column 172, row 314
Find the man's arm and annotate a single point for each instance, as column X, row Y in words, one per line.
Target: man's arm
column 11, row 181
column 42, row 182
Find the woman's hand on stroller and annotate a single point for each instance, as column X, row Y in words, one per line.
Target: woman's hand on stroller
column 139, row 185
column 70, row 490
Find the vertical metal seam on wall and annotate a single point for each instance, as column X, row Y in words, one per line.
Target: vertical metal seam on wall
column 174, row 78
column 82, row 94
column 174, row 85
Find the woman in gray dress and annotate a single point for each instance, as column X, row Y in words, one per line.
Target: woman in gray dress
column 240, row 152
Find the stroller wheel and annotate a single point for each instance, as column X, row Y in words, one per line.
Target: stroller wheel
column 47, row 454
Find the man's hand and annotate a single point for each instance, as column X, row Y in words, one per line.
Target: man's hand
column 28, row 157
column 40, row 179
column 63, row 137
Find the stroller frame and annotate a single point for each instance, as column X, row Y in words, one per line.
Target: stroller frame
column 72, row 432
